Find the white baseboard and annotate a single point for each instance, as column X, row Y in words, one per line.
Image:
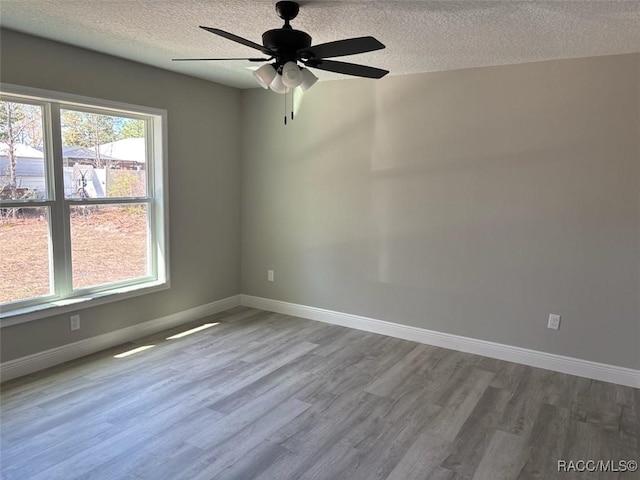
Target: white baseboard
column 48, row 358
column 574, row 366
column 534, row 358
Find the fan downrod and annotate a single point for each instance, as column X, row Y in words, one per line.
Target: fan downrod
column 286, row 41
column 287, row 10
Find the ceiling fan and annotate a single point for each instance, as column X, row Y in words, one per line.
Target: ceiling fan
column 290, row 48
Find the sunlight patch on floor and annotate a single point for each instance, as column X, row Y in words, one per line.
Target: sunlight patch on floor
column 133, row 351
column 193, row 330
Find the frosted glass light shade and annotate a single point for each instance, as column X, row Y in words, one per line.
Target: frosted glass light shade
column 265, row 75
column 277, row 85
column 291, row 75
column 308, row 79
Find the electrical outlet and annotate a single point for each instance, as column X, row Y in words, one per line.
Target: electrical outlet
column 74, row 321
column 270, row 275
column 554, row 321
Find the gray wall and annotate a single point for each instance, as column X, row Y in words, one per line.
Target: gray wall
column 472, row 202
column 204, row 138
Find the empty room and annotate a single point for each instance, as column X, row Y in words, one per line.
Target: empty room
column 331, row 240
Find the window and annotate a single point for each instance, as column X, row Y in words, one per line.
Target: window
column 83, row 213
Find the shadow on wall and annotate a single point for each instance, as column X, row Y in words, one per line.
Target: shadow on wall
column 497, row 194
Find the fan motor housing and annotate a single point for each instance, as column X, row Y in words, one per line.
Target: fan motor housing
column 286, row 42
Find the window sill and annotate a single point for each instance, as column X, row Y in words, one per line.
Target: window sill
column 59, row 307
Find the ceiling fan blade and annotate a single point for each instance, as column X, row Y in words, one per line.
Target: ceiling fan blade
column 215, row 59
column 339, row 48
column 347, row 68
column 235, row 38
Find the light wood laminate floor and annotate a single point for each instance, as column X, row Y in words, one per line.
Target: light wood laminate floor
column 269, row 396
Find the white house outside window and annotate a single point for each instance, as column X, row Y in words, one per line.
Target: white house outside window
column 83, row 214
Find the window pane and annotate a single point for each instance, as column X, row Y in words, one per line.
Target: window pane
column 108, row 243
column 22, row 165
column 104, row 155
column 24, row 253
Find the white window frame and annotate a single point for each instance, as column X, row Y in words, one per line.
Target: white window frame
column 64, row 299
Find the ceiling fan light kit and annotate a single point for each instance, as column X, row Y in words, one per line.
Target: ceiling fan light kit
column 278, row 85
column 291, row 75
column 290, row 54
column 308, row 80
column 265, row 75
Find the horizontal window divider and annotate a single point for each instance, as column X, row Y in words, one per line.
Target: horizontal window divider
column 107, row 201
column 25, row 204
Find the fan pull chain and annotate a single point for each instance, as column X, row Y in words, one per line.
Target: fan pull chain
column 292, row 106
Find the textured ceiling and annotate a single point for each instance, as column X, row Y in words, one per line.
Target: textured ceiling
column 421, row 36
